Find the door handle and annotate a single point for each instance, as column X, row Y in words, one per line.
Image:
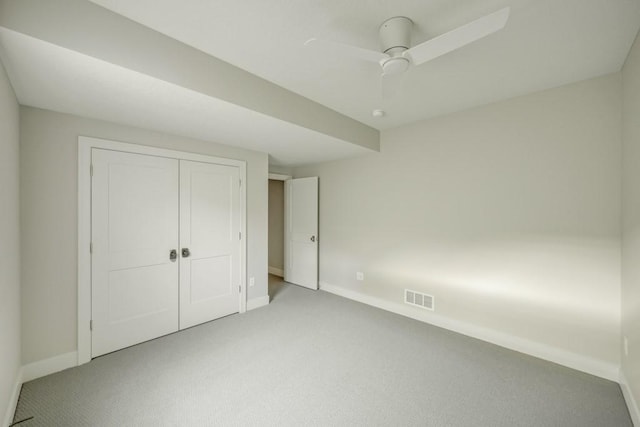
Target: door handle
column 173, row 255
column 185, row 252
column 313, row 238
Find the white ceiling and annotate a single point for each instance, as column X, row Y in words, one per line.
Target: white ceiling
column 546, row 43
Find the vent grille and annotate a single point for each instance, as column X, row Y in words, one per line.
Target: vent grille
column 418, row 299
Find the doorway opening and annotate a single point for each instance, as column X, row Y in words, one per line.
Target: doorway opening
column 276, row 233
column 293, row 215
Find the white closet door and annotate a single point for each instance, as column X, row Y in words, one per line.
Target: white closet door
column 134, row 228
column 301, row 232
column 209, row 242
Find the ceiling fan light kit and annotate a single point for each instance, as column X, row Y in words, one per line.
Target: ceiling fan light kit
column 395, row 65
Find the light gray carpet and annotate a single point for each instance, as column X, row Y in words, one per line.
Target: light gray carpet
column 312, row 358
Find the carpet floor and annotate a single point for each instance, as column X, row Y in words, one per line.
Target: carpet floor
column 316, row 359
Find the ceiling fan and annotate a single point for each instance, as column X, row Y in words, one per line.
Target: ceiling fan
column 395, row 38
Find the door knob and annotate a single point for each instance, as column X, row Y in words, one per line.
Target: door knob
column 173, row 255
column 313, row 238
column 185, row 252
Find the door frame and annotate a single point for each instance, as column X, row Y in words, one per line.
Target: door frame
column 283, row 178
column 85, row 146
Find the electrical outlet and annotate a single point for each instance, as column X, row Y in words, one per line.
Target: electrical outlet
column 252, row 281
column 626, row 346
column 359, row 275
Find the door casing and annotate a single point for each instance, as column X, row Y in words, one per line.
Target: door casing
column 85, row 145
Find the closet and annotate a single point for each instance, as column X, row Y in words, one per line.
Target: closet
column 166, row 250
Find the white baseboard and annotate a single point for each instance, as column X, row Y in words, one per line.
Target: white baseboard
column 599, row 368
column 632, row 403
column 49, row 366
column 276, row 271
column 13, row 401
column 36, row 370
column 254, row 303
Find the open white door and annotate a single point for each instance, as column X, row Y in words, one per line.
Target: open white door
column 301, row 232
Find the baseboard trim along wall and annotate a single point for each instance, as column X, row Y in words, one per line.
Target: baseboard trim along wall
column 61, row 362
column 49, row 366
column 569, row 359
column 254, row 303
column 632, row 403
column 13, row 402
column 276, row 271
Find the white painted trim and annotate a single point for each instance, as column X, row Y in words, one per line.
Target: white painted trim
column 254, row 303
column 149, row 150
column 276, row 271
column 286, row 244
column 243, row 242
column 85, row 145
column 13, row 400
column 566, row 358
column 84, row 257
column 279, row 177
column 49, row 366
column 629, row 398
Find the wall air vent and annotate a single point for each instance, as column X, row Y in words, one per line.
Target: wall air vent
column 419, row 299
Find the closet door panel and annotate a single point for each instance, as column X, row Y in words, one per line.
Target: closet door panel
column 134, row 229
column 209, row 241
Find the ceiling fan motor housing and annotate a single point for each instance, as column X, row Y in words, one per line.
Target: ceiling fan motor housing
column 395, row 35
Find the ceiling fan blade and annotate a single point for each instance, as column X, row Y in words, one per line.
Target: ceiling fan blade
column 459, row 37
column 335, row 48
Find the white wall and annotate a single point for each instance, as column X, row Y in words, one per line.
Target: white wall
column 281, row 170
column 48, row 188
column 276, row 224
column 9, row 246
column 508, row 214
column 631, row 223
